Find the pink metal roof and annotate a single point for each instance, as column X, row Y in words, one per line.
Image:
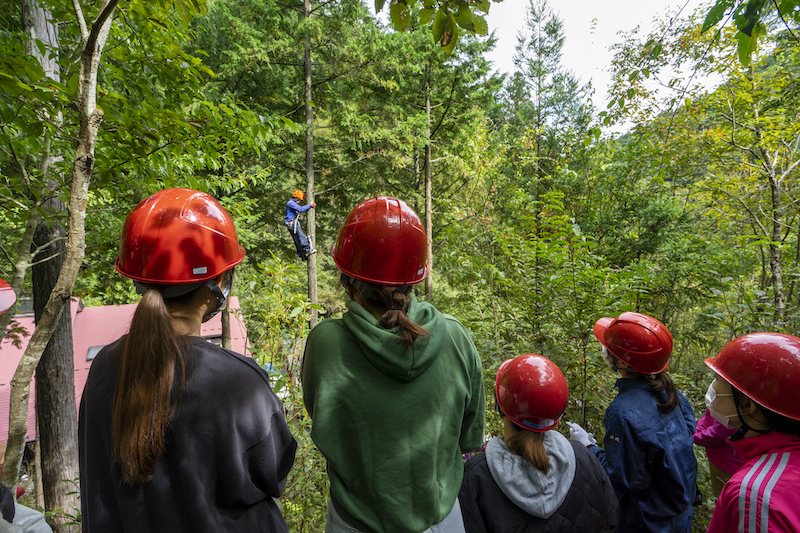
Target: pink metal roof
column 94, row 327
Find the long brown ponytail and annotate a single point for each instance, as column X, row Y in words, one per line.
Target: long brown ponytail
column 662, row 381
column 395, row 300
column 530, row 446
column 143, row 404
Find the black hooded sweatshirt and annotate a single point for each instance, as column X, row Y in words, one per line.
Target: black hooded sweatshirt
column 227, row 452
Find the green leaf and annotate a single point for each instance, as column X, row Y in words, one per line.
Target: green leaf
column 450, row 35
column 425, row 15
column 480, row 25
column 400, row 15
column 463, row 17
column 72, row 84
column 787, row 6
column 745, row 47
column 438, row 25
column 716, row 13
column 379, row 5
column 657, row 50
column 631, row 92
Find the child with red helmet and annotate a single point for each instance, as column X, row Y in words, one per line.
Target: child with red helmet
column 177, row 434
column 534, row 479
column 394, row 387
column 756, row 393
column 647, row 450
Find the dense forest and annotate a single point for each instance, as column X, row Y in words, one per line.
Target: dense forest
column 543, row 217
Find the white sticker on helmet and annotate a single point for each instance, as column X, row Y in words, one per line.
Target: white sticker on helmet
column 200, row 270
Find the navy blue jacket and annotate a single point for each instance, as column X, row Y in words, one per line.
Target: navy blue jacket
column 293, row 209
column 649, row 459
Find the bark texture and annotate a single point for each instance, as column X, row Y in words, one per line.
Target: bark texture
column 312, row 221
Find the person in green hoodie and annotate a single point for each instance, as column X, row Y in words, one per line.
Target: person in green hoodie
column 394, row 387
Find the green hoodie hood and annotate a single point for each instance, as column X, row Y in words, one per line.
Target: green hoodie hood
column 382, row 347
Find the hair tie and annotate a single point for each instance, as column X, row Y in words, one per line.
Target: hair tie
column 396, row 307
column 398, row 289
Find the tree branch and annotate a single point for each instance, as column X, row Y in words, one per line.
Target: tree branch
column 81, row 20
column 323, row 4
column 99, row 23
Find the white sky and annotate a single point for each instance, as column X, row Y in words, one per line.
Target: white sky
column 590, row 27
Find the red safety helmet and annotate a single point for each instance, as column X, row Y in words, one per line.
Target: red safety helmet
column 7, row 296
column 641, row 341
column 531, row 391
column 766, row 368
column 176, row 237
column 382, row 241
column 300, row 195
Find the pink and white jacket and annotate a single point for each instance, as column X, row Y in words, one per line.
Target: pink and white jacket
column 713, row 436
column 762, row 496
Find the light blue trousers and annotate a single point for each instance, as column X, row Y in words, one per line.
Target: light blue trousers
column 452, row 523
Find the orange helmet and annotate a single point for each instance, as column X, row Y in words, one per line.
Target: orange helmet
column 382, row 241
column 7, row 297
column 765, row 367
column 177, row 237
column 641, row 341
column 532, row 392
column 300, row 195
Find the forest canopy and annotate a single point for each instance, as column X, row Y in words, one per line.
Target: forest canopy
column 542, row 216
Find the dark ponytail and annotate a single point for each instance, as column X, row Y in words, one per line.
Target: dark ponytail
column 143, row 405
column 395, row 300
column 662, row 381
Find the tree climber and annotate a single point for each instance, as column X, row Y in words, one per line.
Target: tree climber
column 292, row 221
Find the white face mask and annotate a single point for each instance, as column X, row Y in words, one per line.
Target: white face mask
column 711, row 395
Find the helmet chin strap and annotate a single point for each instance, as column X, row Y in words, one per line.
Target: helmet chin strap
column 745, row 427
column 219, row 294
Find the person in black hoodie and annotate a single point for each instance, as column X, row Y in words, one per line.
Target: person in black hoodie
column 177, row 434
column 534, row 479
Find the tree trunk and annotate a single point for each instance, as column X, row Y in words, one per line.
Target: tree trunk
column 22, row 263
column 312, row 222
column 428, row 188
column 226, row 329
column 90, row 118
column 775, row 254
column 56, row 413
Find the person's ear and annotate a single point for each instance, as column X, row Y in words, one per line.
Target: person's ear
column 622, row 365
